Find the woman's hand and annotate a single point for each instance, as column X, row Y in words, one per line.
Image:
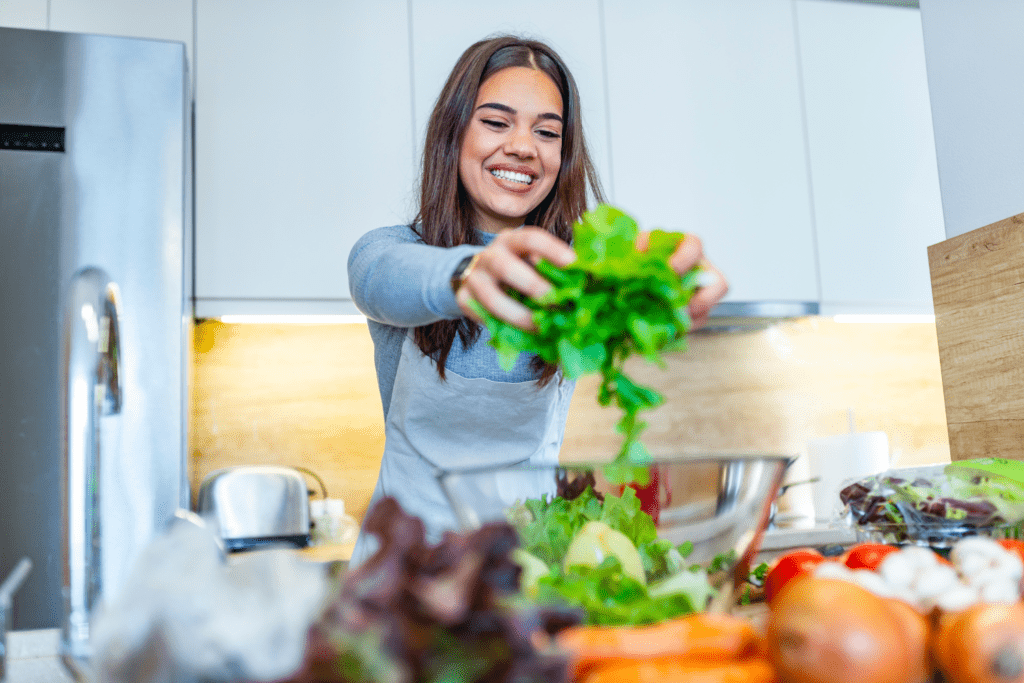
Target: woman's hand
column 714, row 286
column 508, row 262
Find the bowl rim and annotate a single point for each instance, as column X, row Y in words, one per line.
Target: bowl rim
column 584, row 465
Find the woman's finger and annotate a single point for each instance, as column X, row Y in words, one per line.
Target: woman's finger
column 485, row 290
column 688, row 254
column 517, row 274
column 535, row 243
column 713, row 288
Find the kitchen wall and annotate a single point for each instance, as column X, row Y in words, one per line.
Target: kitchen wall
column 306, row 395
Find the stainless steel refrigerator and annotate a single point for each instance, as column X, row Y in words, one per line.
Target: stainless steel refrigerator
column 95, row 266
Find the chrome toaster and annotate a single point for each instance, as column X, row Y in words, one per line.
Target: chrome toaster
column 253, row 506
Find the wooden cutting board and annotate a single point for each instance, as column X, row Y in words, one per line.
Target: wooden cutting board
column 978, row 292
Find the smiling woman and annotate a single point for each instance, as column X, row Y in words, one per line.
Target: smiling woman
column 511, row 151
column 505, row 174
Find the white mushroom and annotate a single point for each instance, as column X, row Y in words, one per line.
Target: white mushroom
column 904, row 567
column 957, row 598
column 992, row 570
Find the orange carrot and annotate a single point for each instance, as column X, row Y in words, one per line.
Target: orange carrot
column 698, row 637
column 676, row 670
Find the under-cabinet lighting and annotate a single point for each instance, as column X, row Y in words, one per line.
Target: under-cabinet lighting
column 293, row 319
column 884, row 318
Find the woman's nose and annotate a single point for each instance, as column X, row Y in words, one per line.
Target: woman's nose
column 520, row 143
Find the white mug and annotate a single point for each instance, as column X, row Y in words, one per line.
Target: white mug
column 837, row 460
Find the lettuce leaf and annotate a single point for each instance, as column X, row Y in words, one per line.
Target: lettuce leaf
column 612, row 598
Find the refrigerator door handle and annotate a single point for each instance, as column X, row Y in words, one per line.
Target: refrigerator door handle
column 91, row 387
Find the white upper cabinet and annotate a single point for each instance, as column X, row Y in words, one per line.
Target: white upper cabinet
column 707, row 135
column 156, row 19
column 872, row 155
column 443, row 30
column 793, row 136
column 23, row 14
column 304, row 141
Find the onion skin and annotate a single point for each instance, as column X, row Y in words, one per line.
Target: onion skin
column 917, row 635
column 823, row 630
column 982, row 644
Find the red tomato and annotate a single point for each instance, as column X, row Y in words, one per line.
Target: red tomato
column 1014, row 545
column 788, row 566
column 651, row 495
column 867, row 555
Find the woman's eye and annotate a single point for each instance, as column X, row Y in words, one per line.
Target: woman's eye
column 494, row 123
column 549, row 134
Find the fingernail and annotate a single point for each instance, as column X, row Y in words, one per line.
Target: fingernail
column 707, row 278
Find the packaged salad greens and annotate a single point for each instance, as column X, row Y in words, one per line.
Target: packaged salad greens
column 935, row 505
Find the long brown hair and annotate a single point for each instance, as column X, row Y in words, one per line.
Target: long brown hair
column 445, row 217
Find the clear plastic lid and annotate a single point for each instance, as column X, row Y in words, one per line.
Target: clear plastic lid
column 936, row 505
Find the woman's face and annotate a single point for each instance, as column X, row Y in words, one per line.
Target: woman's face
column 512, row 148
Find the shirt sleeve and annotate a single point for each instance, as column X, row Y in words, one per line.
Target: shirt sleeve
column 397, row 280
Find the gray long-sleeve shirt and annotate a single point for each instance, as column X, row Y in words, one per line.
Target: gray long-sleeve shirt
column 398, row 283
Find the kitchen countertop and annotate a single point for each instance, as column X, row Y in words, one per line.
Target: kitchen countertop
column 328, row 552
column 776, row 541
column 779, row 541
column 778, row 538
column 32, row 657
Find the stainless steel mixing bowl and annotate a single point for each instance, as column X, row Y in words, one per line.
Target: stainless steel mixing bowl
column 721, row 503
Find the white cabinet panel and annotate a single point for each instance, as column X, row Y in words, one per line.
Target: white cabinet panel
column 23, row 14
column 157, row 19
column 872, row 155
column 975, row 62
column 303, row 143
column 707, row 136
column 443, row 30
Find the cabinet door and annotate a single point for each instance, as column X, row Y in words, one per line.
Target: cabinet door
column 303, row 143
column 23, row 14
column 872, row 155
column 157, row 19
column 707, row 136
column 442, row 30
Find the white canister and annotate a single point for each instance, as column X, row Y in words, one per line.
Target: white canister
column 835, row 460
column 330, row 523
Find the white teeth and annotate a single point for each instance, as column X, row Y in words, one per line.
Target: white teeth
column 513, row 176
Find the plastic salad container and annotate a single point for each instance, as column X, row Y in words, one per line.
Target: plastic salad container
column 936, row 505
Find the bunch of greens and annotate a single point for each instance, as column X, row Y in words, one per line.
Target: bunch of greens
column 610, row 303
column 606, row 593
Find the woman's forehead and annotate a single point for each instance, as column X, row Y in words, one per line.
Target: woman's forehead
column 532, row 89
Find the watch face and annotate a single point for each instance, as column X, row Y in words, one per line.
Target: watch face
column 460, row 271
column 463, row 265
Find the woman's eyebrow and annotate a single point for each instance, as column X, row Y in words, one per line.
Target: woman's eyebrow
column 509, row 110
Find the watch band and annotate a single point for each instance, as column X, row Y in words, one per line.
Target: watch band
column 462, row 271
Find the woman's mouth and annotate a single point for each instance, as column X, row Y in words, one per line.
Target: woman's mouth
column 512, row 176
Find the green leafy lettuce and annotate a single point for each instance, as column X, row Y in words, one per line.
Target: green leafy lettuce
column 612, row 302
column 605, row 592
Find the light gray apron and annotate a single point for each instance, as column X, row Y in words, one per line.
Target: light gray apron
column 459, row 423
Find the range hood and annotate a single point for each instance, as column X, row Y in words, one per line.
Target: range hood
column 748, row 316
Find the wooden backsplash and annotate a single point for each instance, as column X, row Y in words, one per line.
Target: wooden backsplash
column 978, row 289
column 306, row 395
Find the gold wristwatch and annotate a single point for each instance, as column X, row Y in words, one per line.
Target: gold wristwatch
column 462, row 271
